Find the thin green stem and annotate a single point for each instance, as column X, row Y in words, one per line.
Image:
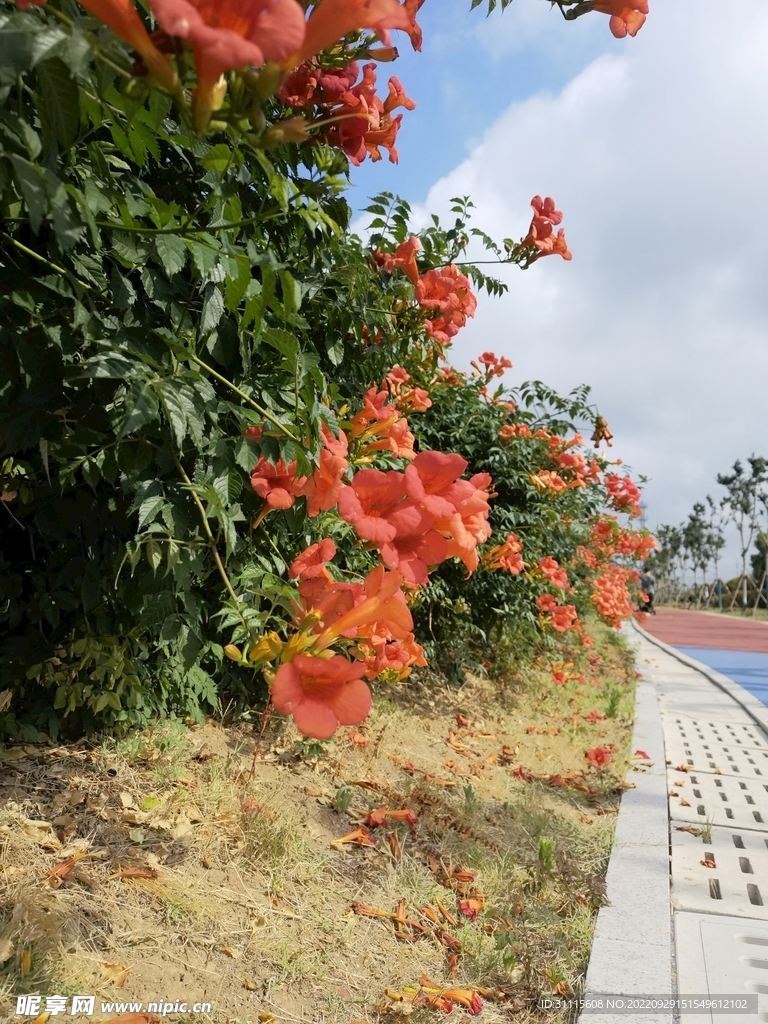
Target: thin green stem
column 184, row 230
column 264, row 412
column 42, row 259
column 209, row 534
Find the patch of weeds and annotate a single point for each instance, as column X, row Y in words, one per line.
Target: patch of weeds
column 614, row 697
column 343, row 798
column 269, row 840
column 545, row 866
column 470, row 799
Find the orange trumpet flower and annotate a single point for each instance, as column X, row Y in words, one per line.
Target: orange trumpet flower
column 122, row 17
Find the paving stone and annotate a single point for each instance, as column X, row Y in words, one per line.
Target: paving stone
column 719, row 799
column 702, row 704
column 719, row 956
column 738, row 882
column 725, row 747
column 631, row 949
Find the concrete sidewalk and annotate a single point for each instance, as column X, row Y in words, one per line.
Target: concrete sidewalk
column 688, row 876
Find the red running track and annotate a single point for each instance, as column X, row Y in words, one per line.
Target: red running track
column 707, row 629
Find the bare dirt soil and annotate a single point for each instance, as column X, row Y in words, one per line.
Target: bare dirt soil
column 215, row 863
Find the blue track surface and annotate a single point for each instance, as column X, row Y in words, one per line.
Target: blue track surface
column 748, row 669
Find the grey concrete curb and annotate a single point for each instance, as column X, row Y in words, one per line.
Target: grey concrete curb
column 756, row 710
column 632, row 949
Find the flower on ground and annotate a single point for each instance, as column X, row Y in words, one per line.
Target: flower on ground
column 381, row 815
column 464, row 997
column 322, row 694
column 599, row 757
column 277, row 484
column 471, row 907
column 627, row 16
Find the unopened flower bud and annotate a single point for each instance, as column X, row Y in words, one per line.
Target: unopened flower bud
column 268, row 648
column 310, row 620
column 233, row 652
column 384, row 54
column 293, row 129
column 296, row 645
column 271, row 77
column 218, row 92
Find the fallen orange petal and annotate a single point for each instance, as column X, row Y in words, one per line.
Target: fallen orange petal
column 360, row 836
column 465, row 997
column 137, row 872
column 405, row 815
column 471, row 907
column 447, row 916
column 377, row 817
column 366, row 911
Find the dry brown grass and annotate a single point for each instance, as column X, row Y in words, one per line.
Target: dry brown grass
column 250, row 906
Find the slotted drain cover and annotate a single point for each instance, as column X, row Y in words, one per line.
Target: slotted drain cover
column 736, row 884
column 707, row 747
column 697, row 702
column 741, row 735
column 720, row 799
column 719, row 957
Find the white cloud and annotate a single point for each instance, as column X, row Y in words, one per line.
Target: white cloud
column 658, row 159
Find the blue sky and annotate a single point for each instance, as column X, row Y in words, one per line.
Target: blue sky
column 656, row 152
column 470, row 70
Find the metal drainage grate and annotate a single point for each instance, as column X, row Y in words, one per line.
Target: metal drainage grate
column 737, row 884
column 722, row 956
column 720, row 799
column 708, row 749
